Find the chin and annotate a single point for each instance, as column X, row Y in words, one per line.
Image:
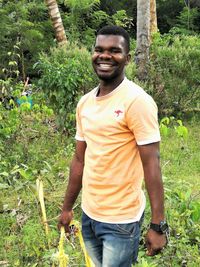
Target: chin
column 106, row 77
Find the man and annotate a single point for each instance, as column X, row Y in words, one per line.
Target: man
column 117, row 144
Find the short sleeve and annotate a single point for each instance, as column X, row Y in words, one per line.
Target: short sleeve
column 79, row 131
column 142, row 119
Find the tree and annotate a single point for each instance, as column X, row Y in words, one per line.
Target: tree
column 25, row 32
column 143, row 40
column 195, row 3
column 153, row 17
column 168, row 11
column 57, row 21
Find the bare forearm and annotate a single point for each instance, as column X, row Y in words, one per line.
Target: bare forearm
column 154, row 186
column 153, row 180
column 74, row 185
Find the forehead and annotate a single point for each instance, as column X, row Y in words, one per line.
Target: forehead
column 110, row 41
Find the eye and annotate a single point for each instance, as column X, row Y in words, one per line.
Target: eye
column 97, row 49
column 115, row 50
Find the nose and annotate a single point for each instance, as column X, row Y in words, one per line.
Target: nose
column 105, row 55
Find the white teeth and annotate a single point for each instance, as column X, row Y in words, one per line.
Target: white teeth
column 105, row 66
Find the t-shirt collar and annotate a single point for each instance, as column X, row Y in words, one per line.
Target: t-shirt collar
column 112, row 92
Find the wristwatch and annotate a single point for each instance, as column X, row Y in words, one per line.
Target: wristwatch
column 161, row 228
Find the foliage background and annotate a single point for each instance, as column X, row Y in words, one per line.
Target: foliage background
column 37, row 120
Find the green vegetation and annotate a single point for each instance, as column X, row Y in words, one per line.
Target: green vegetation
column 174, row 72
column 25, row 24
column 34, row 148
column 31, row 147
column 72, row 77
column 37, row 121
column 181, row 169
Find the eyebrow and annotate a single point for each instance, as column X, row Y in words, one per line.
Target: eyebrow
column 110, row 48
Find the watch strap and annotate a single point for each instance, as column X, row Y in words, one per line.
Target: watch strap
column 155, row 227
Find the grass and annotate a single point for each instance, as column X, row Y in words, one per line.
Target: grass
column 23, row 241
column 181, row 159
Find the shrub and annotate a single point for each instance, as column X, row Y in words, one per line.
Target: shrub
column 66, row 74
column 174, row 72
column 25, row 25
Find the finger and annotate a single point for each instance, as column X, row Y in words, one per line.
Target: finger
column 153, row 252
column 147, row 244
column 66, row 227
column 149, row 252
column 148, row 247
column 67, row 235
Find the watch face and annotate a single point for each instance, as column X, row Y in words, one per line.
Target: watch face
column 164, row 226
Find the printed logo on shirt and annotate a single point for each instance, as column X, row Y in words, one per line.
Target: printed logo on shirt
column 119, row 114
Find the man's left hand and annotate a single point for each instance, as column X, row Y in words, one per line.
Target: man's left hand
column 155, row 242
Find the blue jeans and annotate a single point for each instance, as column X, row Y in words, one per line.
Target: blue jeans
column 111, row 245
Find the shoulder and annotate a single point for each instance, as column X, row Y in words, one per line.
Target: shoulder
column 87, row 97
column 136, row 95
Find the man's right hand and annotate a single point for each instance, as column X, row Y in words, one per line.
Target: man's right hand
column 65, row 219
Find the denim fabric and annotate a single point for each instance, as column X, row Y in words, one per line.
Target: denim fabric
column 111, row 245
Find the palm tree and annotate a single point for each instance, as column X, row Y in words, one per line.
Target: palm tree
column 57, row 21
column 143, row 40
column 153, row 17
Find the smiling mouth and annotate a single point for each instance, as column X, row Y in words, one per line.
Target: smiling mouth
column 105, row 66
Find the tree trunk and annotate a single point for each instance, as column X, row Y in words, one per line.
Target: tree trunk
column 143, row 38
column 153, row 18
column 57, row 21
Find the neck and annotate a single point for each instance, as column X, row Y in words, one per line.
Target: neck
column 107, row 87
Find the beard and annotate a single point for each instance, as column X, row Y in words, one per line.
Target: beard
column 108, row 77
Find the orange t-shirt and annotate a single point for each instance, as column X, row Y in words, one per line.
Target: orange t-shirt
column 112, row 126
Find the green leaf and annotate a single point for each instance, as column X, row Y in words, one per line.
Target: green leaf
column 6, row 174
column 12, row 63
column 165, row 120
column 182, row 131
column 25, row 174
column 164, row 130
column 179, row 122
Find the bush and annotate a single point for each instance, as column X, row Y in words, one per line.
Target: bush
column 25, row 25
column 66, row 74
column 25, row 139
column 174, row 72
column 35, row 149
column 30, row 148
column 180, row 168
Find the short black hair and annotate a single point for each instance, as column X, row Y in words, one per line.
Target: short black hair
column 116, row 30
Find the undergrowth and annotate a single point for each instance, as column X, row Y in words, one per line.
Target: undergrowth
column 34, row 148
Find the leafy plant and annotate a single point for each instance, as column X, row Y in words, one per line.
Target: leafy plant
column 181, row 187
column 120, row 18
column 187, row 21
column 174, row 73
column 66, row 75
column 25, row 24
column 167, row 123
column 84, row 18
column 40, row 150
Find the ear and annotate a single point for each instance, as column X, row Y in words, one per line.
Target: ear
column 128, row 58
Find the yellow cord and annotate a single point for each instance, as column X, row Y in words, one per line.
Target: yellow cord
column 63, row 258
column 88, row 260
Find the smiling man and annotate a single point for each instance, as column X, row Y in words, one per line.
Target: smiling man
column 117, row 145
